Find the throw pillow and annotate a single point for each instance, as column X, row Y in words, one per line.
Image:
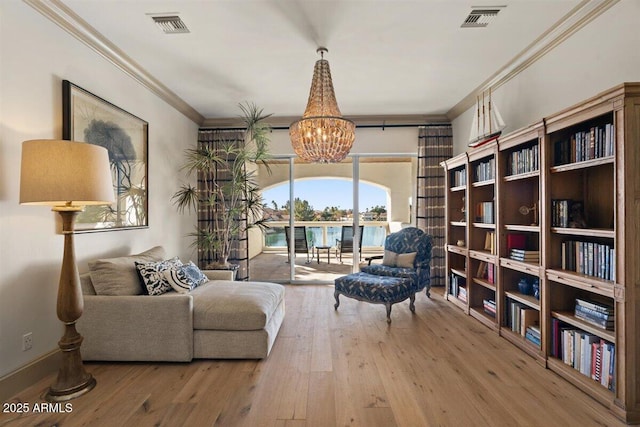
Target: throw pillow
column 185, row 278
column 119, row 276
column 392, row 259
column 152, row 274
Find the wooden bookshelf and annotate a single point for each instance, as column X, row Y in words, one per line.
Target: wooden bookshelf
column 566, row 188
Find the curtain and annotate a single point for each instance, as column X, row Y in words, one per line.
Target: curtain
column 435, row 144
column 239, row 254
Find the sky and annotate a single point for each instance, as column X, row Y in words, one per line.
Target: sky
column 321, row 193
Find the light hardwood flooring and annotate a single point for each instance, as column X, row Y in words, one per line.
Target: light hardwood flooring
column 339, row 368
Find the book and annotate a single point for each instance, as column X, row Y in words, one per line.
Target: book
column 482, row 272
column 604, row 324
column 528, row 317
column 595, row 314
column 516, row 241
column 524, row 255
column 600, row 307
column 531, row 338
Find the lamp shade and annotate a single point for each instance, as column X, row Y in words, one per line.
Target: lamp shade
column 62, row 172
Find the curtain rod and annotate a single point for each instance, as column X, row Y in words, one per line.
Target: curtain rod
column 381, row 126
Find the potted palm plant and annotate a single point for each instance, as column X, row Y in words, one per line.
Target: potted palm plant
column 232, row 199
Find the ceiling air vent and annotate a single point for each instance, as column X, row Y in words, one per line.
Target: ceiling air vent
column 480, row 17
column 170, row 24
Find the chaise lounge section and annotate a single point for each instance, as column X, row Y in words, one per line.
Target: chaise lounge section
column 220, row 319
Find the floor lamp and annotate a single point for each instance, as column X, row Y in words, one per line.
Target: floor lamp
column 68, row 176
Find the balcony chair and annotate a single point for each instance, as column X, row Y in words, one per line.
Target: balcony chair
column 405, row 270
column 301, row 242
column 345, row 243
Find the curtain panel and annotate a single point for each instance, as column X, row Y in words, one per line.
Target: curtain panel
column 435, row 144
column 208, row 215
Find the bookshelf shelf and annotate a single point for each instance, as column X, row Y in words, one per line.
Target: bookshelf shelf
column 523, row 267
column 533, row 176
column 457, row 249
column 582, row 281
column 568, row 317
column 527, row 300
column 483, row 183
column 460, row 273
column 457, row 301
column 584, row 383
column 585, row 232
column 483, row 256
column 524, row 344
column 485, row 283
column 524, row 228
column 484, row 225
column 479, row 314
column 582, row 165
column 519, row 176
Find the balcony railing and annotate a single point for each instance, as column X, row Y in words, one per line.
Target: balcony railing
column 325, row 233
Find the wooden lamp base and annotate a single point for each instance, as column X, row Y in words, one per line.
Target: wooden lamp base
column 73, row 381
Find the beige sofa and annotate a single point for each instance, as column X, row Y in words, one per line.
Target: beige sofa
column 221, row 319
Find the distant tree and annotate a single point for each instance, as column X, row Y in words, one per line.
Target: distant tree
column 275, row 205
column 326, row 215
column 302, row 210
column 378, row 211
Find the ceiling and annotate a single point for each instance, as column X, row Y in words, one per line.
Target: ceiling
column 387, row 57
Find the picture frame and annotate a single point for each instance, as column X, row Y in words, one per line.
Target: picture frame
column 91, row 119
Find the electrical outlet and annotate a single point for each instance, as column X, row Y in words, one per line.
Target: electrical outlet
column 27, row 341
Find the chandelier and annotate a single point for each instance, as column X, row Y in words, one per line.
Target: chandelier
column 322, row 135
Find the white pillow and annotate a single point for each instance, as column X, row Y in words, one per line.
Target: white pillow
column 392, row 259
column 185, row 277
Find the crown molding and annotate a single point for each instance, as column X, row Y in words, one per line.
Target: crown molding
column 585, row 12
column 65, row 18
column 372, row 120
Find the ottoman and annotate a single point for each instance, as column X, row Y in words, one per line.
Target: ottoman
column 376, row 289
column 236, row 320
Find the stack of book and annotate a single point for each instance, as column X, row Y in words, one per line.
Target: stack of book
column 489, row 306
column 525, row 255
column 532, row 334
column 597, row 314
column 462, row 294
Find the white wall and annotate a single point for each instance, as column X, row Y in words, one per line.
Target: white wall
column 599, row 56
column 35, row 57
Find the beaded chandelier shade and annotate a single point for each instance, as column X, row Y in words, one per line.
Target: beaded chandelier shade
column 322, row 135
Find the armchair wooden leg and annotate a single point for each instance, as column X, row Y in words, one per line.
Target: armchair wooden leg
column 412, row 305
column 388, row 305
column 336, row 294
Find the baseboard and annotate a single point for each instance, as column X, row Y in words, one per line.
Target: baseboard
column 15, row 382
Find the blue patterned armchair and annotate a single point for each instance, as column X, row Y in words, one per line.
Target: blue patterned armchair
column 405, row 271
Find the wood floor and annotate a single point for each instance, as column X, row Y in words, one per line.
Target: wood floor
column 339, row 368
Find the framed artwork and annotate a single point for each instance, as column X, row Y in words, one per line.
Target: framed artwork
column 89, row 118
